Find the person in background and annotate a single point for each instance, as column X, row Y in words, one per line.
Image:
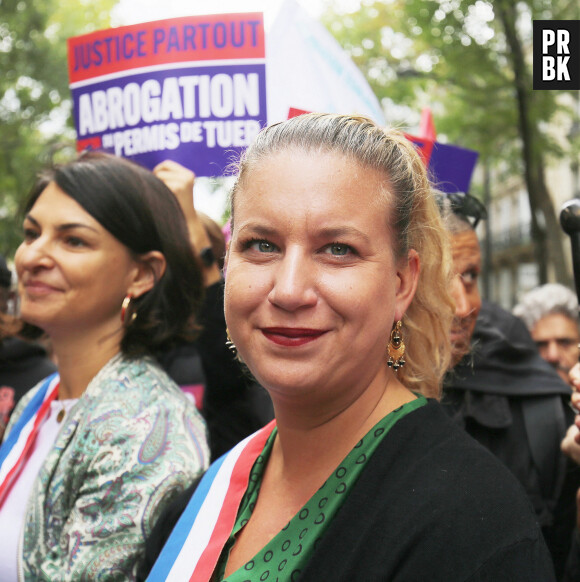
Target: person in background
column 233, row 404
column 22, row 363
column 216, row 238
column 94, row 454
column 501, row 392
column 337, row 301
column 6, row 292
column 550, row 313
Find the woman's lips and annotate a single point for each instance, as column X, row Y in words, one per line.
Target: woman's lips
column 292, row 336
column 37, row 288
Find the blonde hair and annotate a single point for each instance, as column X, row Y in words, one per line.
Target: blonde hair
column 416, row 224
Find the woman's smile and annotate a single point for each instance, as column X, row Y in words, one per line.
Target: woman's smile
column 37, row 288
column 318, row 272
column 72, row 272
column 292, row 336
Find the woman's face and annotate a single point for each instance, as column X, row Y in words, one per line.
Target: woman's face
column 312, row 285
column 72, row 273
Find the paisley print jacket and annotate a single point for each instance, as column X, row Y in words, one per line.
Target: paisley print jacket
column 131, row 443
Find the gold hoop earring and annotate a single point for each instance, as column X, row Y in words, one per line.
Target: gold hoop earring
column 396, row 348
column 125, row 308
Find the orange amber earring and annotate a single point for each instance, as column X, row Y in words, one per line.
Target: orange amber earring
column 396, row 348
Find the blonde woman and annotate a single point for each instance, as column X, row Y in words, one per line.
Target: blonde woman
column 336, row 299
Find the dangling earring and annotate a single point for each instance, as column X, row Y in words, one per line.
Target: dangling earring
column 230, row 344
column 125, row 308
column 396, row 348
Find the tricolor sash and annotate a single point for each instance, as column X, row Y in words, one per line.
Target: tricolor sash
column 14, row 450
column 195, row 544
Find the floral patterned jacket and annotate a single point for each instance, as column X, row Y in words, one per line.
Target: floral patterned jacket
column 130, row 444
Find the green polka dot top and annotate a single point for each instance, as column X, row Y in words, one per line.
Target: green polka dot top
column 286, row 555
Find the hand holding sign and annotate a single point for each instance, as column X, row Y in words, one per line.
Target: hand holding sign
column 180, row 181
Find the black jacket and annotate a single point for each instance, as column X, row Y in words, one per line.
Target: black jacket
column 514, row 403
column 22, row 365
column 431, row 504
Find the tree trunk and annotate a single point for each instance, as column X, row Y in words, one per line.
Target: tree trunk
column 546, row 231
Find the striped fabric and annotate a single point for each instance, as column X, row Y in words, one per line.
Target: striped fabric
column 194, row 547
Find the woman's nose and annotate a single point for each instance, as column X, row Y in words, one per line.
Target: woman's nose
column 294, row 283
column 32, row 255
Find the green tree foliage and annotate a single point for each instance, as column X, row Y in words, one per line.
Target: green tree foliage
column 471, row 62
column 35, row 104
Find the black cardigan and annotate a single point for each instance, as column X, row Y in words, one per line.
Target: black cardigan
column 431, row 504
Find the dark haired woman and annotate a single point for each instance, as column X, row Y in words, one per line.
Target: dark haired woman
column 93, row 454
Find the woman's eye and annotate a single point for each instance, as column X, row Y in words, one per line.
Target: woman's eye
column 338, row 249
column 263, row 246
column 29, row 234
column 73, row 241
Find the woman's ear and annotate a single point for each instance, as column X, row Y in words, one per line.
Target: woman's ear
column 408, row 277
column 150, row 268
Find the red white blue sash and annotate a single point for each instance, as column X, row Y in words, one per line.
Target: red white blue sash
column 14, row 450
column 195, row 544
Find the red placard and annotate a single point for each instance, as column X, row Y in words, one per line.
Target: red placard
column 176, row 40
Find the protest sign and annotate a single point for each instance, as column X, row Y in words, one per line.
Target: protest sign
column 450, row 167
column 192, row 89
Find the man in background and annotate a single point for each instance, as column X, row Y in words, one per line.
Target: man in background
column 502, row 392
column 550, row 313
